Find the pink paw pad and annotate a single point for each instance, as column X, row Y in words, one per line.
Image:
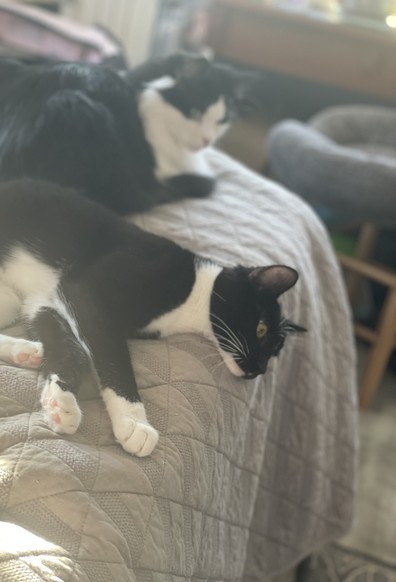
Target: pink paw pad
column 53, row 403
column 29, row 359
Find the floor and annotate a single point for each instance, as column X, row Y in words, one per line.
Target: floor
column 368, row 552
column 374, row 532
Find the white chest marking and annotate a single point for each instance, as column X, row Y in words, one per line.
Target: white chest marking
column 178, row 142
column 193, row 316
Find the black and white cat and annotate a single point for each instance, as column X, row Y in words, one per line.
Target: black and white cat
column 85, row 281
column 129, row 140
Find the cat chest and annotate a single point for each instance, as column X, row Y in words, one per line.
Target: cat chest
column 193, row 315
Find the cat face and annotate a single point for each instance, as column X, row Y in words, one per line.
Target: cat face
column 246, row 316
column 205, row 98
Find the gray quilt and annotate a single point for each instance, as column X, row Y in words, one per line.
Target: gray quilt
column 248, row 476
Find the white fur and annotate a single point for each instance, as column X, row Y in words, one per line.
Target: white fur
column 193, row 316
column 26, row 280
column 20, row 352
column 130, row 425
column 10, row 304
column 27, row 275
column 60, row 407
column 23, row 276
column 178, row 141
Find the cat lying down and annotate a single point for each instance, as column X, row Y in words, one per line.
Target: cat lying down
column 85, row 280
column 129, row 140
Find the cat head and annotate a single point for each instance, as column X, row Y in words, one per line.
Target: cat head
column 202, row 98
column 246, row 316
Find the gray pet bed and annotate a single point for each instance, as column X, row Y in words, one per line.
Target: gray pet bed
column 344, row 158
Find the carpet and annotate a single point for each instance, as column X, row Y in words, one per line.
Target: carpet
column 368, row 552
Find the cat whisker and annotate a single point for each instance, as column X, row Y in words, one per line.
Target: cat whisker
column 213, row 355
column 222, row 363
column 231, row 353
column 231, row 345
column 228, row 346
column 219, row 296
column 228, row 331
column 246, row 344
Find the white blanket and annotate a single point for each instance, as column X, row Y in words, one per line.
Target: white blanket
column 248, row 476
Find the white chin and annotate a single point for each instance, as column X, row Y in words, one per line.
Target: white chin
column 231, row 364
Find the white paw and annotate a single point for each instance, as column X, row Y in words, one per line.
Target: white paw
column 22, row 353
column 136, row 437
column 60, row 407
column 130, row 425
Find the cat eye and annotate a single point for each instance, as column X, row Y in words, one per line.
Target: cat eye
column 261, row 329
column 224, row 120
column 195, row 114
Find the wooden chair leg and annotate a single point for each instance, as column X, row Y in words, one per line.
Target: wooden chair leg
column 364, row 250
column 380, row 352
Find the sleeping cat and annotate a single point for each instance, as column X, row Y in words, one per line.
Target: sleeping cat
column 129, row 140
column 85, row 280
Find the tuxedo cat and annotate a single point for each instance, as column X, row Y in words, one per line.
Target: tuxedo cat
column 85, row 281
column 129, row 140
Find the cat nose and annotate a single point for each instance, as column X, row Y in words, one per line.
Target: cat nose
column 251, row 375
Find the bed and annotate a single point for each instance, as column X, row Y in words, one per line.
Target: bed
column 248, row 476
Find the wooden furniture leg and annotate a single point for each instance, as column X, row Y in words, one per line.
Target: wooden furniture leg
column 383, row 338
column 380, row 351
column 364, row 250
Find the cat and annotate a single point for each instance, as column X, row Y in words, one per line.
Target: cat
column 127, row 139
column 86, row 280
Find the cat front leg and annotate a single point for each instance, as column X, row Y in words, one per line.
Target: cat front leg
column 119, row 391
column 130, row 425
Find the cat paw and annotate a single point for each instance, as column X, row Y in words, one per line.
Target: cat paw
column 130, row 425
column 25, row 354
column 135, row 436
column 60, row 407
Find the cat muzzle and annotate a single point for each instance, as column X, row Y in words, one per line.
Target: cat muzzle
column 251, row 375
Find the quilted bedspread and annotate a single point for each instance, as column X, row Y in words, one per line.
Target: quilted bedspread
column 248, row 476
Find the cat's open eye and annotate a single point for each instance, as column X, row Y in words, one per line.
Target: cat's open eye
column 261, row 329
column 195, row 114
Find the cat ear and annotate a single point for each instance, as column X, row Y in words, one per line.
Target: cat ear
column 275, row 279
column 245, row 91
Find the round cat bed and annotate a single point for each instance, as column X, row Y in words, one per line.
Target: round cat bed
column 343, row 159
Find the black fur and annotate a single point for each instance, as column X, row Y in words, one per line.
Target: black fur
column 78, row 125
column 116, row 279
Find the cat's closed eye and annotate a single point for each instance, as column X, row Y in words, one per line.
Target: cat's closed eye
column 224, row 120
